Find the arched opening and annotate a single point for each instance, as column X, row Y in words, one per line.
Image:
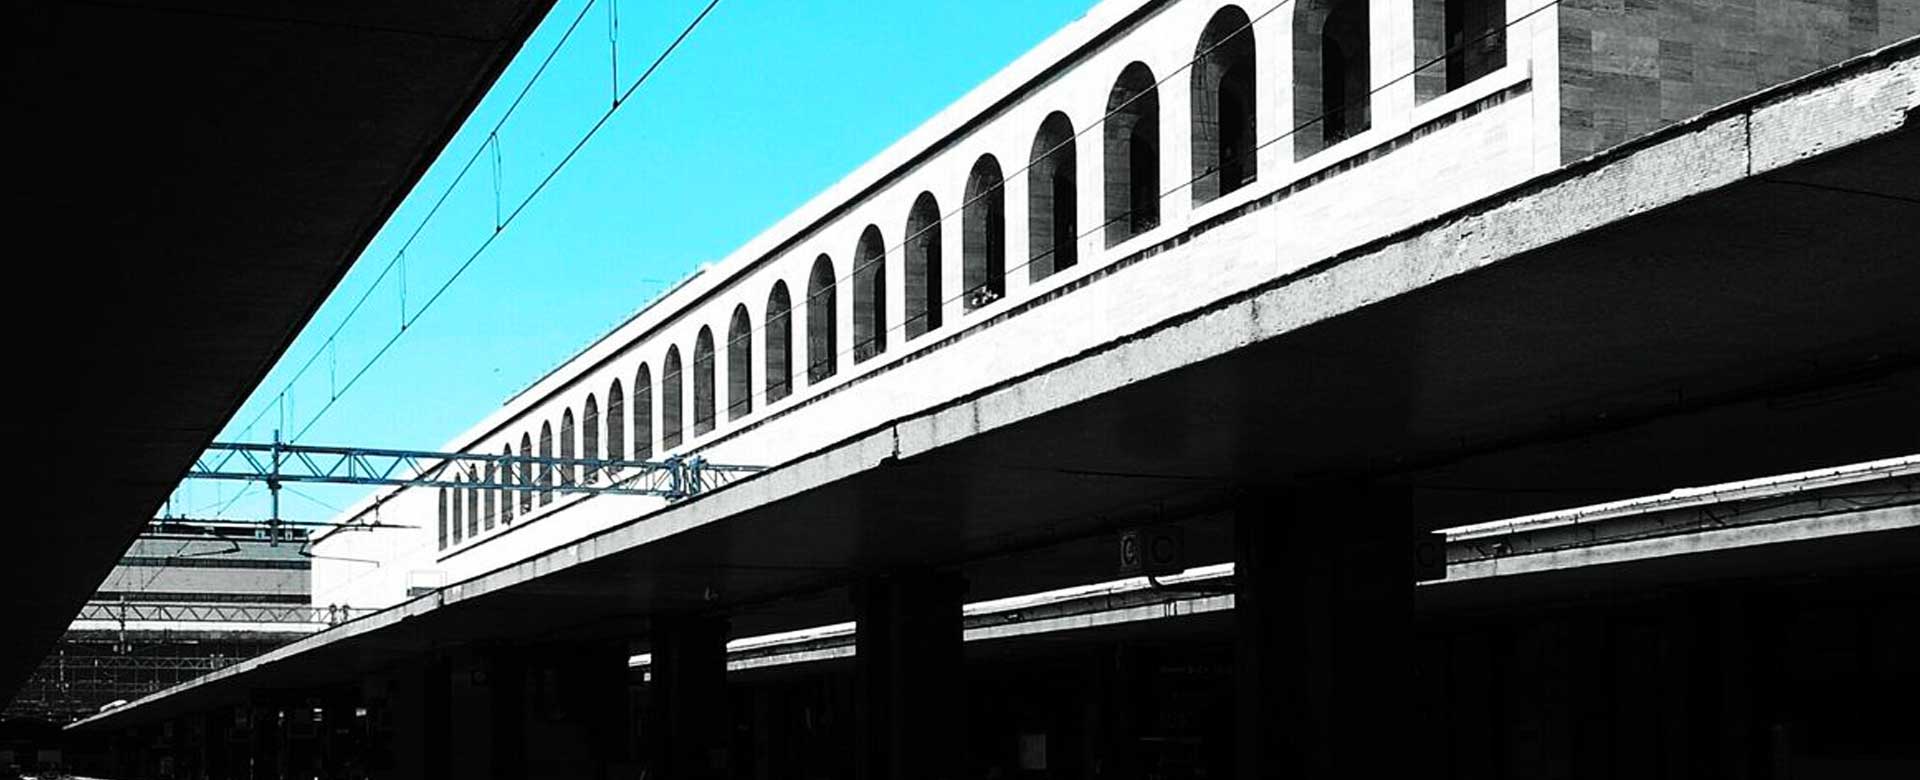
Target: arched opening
column 546, row 464
column 779, row 343
column 1332, row 76
column 526, row 473
column 443, row 518
column 1132, row 155
column 1053, row 232
column 590, row 439
column 616, row 423
column 703, row 381
column 507, row 477
column 643, row 413
column 458, row 504
column 568, row 474
column 923, row 266
column 1456, row 42
column 670, row 407
column 473, row 503
column 822, row 331
column 739, row 364
column 983, row 234
column 489, row 495
column 869, row 295
column 1223, row 106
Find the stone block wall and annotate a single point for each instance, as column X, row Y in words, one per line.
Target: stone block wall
column 1629, row 67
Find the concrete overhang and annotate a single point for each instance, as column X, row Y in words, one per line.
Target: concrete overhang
column 1728, row 297
column 190, row 180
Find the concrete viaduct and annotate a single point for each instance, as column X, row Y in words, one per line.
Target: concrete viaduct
column 1441, row 312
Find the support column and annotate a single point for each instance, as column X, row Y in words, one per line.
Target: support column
column 910, row 695
column 577, row 720
column 1324, row 622
column 506, row 678
column 413, row 736
column 689, row 728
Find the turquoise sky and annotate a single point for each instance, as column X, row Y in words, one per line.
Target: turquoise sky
column 767, row 104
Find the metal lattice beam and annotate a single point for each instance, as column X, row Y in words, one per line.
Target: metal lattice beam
column 672, row 478
column 218, row 613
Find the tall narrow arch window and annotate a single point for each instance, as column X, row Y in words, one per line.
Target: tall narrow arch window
column 1331, row 73
column 590, row 438
column 1131, row 134
column 983, row 234
column 458, row 505
column 869, row 295
column 822, row 330
column 507, row 477
column 1052, row 199
column 488, row 497
column 739, row 364
column 616, row 423
column 568, row 473
column 526, row 472
column 643, row 413
column 1223, row 111
column 1456, row 42
column 779, row 343
column 546, row 466
column 473, row 503
column 670, row 407
column 922, row 248
column 443, row 518
column 703, row 376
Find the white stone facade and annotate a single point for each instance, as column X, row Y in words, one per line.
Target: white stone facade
column 1417, row 160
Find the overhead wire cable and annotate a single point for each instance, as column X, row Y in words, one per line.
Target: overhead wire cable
column 509, row 218
column 758, row 393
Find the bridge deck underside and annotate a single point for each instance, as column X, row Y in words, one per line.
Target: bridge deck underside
column 1759, row 327
column 192, row 179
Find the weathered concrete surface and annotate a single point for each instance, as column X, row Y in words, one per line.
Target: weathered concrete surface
column 1654, row 317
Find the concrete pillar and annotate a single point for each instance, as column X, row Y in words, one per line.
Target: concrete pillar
column 413, row 737
column 689, row 726
column 577, row 722
column 263, row 747
column 1324, row 625
column 506, row 684
column 909, row 698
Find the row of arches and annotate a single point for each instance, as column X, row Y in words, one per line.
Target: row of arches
column 1332, row 94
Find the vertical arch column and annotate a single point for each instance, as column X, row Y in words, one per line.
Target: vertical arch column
column 1176, row 140
column 1393, row 44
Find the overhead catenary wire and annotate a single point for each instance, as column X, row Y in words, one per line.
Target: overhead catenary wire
column 733, row 340
column 758, row 393
column 517, row 210
column 489, row 144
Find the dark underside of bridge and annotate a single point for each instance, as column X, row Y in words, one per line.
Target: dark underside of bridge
column 188, row 181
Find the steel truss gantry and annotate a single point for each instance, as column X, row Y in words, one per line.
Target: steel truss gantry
column 123, row 612
column 276, row 463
